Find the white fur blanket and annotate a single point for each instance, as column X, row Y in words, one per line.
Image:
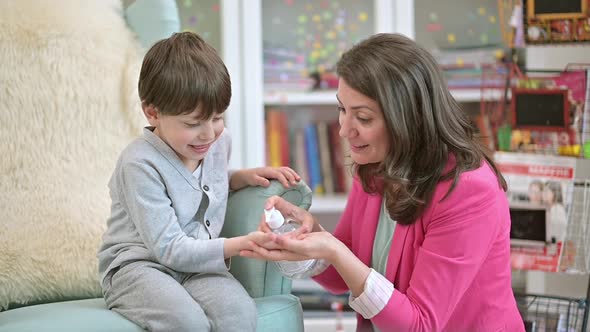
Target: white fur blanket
column 68, row 106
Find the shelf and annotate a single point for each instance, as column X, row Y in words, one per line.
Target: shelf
column 307, row 286
column 317, row 301
column 327, row 322
column 328, row 204
column 329, row 97
column 468, row 95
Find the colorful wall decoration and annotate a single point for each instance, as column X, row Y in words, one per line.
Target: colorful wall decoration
column 202, row 17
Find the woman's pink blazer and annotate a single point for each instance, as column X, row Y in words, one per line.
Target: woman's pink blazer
column 451, row 269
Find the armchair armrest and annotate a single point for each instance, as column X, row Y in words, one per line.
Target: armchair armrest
column 244, row 210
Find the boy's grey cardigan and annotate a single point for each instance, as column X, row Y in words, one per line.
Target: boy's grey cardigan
column 160, row 212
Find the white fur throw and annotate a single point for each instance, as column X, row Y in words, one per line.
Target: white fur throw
column 68, row 106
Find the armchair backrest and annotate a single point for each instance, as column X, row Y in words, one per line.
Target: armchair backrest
column 244, row 210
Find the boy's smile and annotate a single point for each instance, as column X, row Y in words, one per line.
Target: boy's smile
column 188, row 135
column 202, row 149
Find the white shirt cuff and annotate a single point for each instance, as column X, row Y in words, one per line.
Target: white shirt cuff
column 377, row 292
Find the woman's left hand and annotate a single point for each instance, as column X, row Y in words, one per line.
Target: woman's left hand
column 319, row 245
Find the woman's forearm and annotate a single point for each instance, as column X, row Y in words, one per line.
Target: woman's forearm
column 352, row 270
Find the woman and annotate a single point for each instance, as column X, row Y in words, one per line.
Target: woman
column 423, row 243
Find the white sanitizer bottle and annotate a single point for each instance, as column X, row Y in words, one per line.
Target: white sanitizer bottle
column 277, row 223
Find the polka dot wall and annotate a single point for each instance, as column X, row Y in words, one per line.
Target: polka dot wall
column 317, row 32
column 202, row 17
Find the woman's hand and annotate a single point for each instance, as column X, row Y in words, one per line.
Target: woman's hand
column 290, row 211
column 319, row 245
column 314, row 245
column 260, row 177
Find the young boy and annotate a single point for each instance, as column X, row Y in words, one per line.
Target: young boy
column 162, row 263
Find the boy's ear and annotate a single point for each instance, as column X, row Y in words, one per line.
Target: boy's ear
column 151, row 113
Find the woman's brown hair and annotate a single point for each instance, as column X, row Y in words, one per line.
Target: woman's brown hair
column 425, row 123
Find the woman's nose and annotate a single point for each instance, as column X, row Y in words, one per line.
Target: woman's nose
column 346, row 127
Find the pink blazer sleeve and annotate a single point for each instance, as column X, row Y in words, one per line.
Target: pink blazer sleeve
column 459, row 232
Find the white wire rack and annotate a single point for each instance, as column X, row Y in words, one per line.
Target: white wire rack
column 553, row 313
column 575, row 257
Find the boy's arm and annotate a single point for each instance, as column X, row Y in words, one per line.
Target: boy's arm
column 237, row 179
column 261, row 176
column 233, row 245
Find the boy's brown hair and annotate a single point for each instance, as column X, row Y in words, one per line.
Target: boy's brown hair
column 183, row 72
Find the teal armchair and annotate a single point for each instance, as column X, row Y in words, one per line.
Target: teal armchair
column 278, row 309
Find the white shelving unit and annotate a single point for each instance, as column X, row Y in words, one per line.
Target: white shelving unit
column 328, row 97
column 328, row 204
column 389, row 16
column 244, row 27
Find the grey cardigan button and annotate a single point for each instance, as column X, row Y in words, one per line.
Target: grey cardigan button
column 206, row 187
column 207, row 223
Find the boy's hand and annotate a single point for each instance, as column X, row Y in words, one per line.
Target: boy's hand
column 265, row 240
column 233, row 245
column 260, row 177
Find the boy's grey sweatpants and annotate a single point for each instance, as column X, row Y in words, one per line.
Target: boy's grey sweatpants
column 159, row 299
